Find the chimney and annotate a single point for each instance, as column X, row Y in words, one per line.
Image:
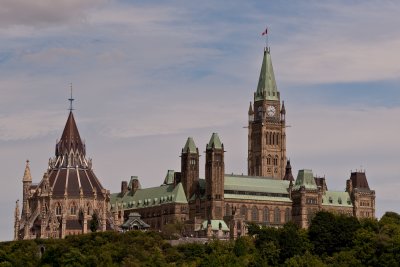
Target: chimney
column 124, row 187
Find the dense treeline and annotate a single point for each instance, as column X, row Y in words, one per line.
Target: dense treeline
column 331, row 240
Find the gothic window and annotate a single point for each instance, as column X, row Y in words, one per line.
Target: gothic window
column 269, row 160
column 73, row 209
column 243, row 211
column 270, row 138
column 254, row 214
column 277, row 215
column 58, row 209
column 266, row 214
column 287, row 215
column 88, row 208
column 267, row 138
column 228, row 210
column 277, row 139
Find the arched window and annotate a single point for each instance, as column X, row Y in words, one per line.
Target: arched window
column 73, row 208
column 273, row 138
column 277, row 139
column 228, row 210
column 254, row 214
column 277, row 215
column 243, row 212
column 287, row 215
column 266, row 215
column 267, row 138
column 269, row 160
column 270, row 138
column 58, row 209
column 88, row 208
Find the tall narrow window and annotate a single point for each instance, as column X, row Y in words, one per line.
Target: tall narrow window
column 228, row 210
column 266, row 215
column 277, row 215
column 243, row 212
column 58, row 209
column 73, row 209
column 254, row 214
column 287, row 215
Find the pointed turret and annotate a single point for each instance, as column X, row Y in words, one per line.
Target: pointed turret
column 190, row 146
column 215, row 142
column 70, row 138
column 283, row 109
column 27, row 173
column 251, row 112
column 266, row 89
column 288, row 172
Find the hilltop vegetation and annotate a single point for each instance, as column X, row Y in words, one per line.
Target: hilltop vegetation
column 332, row 240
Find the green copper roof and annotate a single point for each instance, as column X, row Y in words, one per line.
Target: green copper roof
column 305, row 178
column 214, row 140
column 149, row 197
column 214, row 225
column 266, row 89
column 255, row 184
column 169, row 178
column 253, row 188
column 190, row 146
column 335, row 198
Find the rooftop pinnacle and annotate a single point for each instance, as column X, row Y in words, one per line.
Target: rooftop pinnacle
column 266, row 89
column 27, row 173
column 70, row 138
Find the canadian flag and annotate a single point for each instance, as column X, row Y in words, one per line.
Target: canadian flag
column 265, row 32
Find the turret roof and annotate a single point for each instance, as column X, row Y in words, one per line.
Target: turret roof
column 190, row 146
column 305, row 178
column 266, row 89
column 27, row 173
column 214, row 141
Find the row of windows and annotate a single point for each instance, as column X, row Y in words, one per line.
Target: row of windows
column 265, row 216
column 72, row 209
column 365, row 203
column 251, row 193
column 272, row 138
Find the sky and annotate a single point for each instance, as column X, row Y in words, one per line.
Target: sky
column 148, row 74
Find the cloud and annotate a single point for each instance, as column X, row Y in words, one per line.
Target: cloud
column 44, row 12
column 339, row 42
column 29, row 125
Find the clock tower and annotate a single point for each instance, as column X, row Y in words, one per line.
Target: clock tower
column 267, row 135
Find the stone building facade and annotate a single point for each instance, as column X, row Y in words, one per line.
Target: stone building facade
column 268, row 195
column 64, row 201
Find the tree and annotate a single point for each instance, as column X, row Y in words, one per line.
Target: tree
column 330, row 233
column 94, row 223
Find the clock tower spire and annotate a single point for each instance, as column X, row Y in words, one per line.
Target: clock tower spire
column 267, row 136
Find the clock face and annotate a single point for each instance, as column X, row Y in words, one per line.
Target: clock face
column 271, row 111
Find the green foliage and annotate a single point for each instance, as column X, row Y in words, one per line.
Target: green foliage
column 330, row 233
column 94, row 223
column 332, row 240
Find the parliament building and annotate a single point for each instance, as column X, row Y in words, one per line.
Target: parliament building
column 219, row 204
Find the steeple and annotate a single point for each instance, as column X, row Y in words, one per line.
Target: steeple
column 27, row 173
column 70, row 138
column 266, row 89
column 288, row 172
